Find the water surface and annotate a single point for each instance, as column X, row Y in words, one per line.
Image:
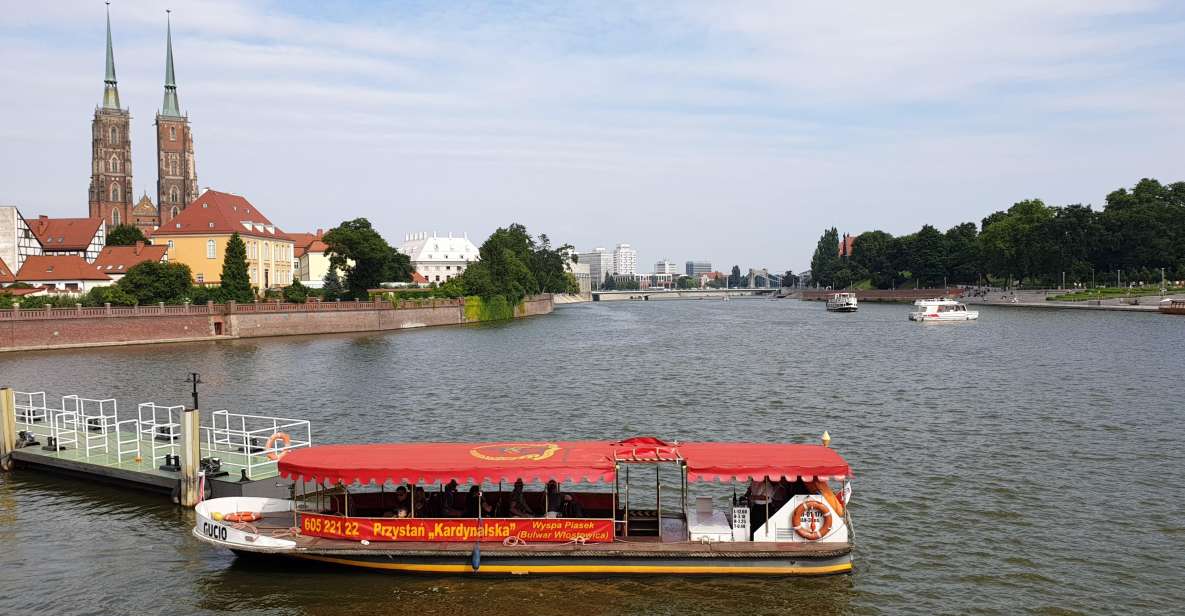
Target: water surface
column 1029, row 462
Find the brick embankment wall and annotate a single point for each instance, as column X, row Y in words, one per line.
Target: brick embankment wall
column 60, row 333
column 887, row 295
column 303, row 323
column 35, row 330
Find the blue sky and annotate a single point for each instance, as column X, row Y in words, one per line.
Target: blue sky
column 729, row 131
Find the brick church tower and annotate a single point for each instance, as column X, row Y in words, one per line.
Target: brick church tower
column 176, row 184
column 110, row 195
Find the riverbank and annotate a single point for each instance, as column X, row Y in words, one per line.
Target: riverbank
column 32, row 330
column 1037, row 299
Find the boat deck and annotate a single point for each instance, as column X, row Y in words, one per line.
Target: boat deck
column 669, row 544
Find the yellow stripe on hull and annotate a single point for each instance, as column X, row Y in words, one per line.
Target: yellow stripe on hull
column 587, row 569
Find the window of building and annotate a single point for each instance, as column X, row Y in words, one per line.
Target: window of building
column 113, row 165
column 267, row 250
column 114, row 193
column 172, row 133
column 176, row 210
column 115, row 217
column 174, row 196
column 113, row 137
column 201, row 278
column 170, row 244
column 210, row 249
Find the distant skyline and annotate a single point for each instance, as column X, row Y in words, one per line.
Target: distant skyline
column 732, row 132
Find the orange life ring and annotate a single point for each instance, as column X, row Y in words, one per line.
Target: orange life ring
column 243, row 516
column 271, row 443
column 811, row 532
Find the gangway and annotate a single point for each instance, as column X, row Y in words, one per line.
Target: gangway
column 259, row 440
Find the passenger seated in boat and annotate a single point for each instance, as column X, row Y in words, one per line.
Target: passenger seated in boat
column 402, row 502
column 448, row 501
column 553, row 497
column 518, row 502
column 570, row 507
column 471, row 503
column 420, row 503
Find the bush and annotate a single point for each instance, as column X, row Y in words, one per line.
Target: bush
column 113, row 295
column 296, row 293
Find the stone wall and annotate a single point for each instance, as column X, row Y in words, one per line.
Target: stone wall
column 84, row 327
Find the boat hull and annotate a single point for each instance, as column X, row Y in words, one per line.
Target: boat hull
column 944, row 317
column 462, row 564
column 842, row 308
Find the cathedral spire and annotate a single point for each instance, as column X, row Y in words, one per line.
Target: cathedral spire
column 110, row 91
column 170, row 107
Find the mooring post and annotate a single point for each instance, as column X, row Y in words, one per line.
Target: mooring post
column 7, row 427
column 190, row 456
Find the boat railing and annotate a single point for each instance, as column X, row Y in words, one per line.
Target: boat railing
column 260, row 439
column 30, row 407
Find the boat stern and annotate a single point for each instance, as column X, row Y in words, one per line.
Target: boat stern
column 245, row 523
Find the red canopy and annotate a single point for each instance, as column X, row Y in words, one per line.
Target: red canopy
column 562, row 461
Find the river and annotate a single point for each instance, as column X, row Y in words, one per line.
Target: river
column 1031, row 461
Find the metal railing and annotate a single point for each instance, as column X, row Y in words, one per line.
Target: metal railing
column 261, row 440
column 22, row 314
column 92, row 427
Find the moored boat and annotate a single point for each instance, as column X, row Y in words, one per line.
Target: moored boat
column 842, row 302
column 397, row 507
column 941, row 309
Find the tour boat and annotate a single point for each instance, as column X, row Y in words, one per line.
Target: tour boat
column 941, row 310
column 842, row 302
column 396, row 507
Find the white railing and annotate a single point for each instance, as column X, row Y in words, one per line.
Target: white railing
column 247, row 444
column 161, row 426
column 30, row 407
column 261, row 440
column 64, row 429
column 125, row 446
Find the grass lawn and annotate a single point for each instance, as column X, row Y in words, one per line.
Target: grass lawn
column 1111, row 293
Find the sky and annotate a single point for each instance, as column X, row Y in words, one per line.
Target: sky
column 729, row 131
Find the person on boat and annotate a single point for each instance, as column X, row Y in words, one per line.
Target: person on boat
column 471, row 503
column 518, row 502
column 402, row 502
column 570, row 507
column 448, row 502
column 553, row 497
column 420, row 503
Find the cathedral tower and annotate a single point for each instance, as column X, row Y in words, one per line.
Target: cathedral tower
column 111, row 152
column 176, row 173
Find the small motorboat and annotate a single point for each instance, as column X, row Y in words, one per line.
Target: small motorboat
column 941, row 309
column 842, row 302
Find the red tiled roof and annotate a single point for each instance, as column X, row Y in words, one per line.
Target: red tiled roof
column 119, row 259
column 418, row 278
column 219, row 212
column 22, row 292
column 6, row 275
column 58, row 234
column 58, row 267
column 307, row 242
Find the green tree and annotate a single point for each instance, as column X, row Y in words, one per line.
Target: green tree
column 151, row 282
column 962, row 254
column 734, row 279
column 871, row 252
column 826, row 259
column 365, row 257
column 929, row 257
column 332, row 288
column 125, row 235
column 610, row 284
column 112, row 294
column 236, row 284
column 296, row 293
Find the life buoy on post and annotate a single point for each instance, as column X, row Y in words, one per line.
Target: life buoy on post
column 271, row 444
column 811, row 529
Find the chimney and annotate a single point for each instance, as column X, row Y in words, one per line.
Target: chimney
column 139, row 247
column 320, row 232
column 42, row 217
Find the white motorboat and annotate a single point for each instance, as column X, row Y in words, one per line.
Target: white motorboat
column 941, row 309
column 842, row 302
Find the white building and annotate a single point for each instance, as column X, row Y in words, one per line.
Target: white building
column 582, row 272
column 698, row 268
column 666, row 266
column 625, row 260
column 600, row 263
column 439, row 258
column 17, row 241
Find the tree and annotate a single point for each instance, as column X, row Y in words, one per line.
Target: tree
column 550, row 266
column 125, row 235
column 366, row 258
column 236, row 284
column 826, row 260
column 151, row 282
column 296, row 293
column 734, row 279
column 332, row 288
column 789, row 279
column 929, row 254
column 872, row 253
column 687, row 282
column 112, row 294
column 962, row 254
column 610, row 284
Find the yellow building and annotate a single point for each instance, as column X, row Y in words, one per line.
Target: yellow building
column 198, row 236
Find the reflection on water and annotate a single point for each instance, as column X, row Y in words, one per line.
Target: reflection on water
column 997, row 463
